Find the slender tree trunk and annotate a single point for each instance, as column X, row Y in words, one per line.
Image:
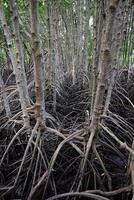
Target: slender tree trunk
column 58, row 43
column 80, row 34
column 104, row 62
column 16, row 67
column 4, row 96
column 67, row 46
column 84, row 59
column 97, row 32
column 48, row 10
column 43, row 85
column 54, row 60
column 19, row 48
column 37, row 58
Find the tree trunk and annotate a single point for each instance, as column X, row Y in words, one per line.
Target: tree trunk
column 17, row 68
column 84, row 57
column 37, row 58
column 19, row 47
column 4, row 96
column 104, row 62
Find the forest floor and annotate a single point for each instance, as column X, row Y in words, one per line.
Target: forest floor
column 73, row 101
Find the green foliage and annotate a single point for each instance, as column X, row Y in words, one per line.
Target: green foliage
column 91, row 8
column 65, row 3
column 2, row 55
column 42, row 8
column 7, row 11
column 90, row 45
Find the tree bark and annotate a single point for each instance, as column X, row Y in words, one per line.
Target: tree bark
column 19, row 47
column 104, row 62
column 37, row 58
column 16, row 67
column 4, row 96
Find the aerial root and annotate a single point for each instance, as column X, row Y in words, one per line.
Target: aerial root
column 96, row 193
column 10, row 144
column 51, row 130
column 53, row 159
column 103, row 167
column 122, row 144
column 88, row 147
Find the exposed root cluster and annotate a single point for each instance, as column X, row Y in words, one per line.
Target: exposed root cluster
column 48, row 162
